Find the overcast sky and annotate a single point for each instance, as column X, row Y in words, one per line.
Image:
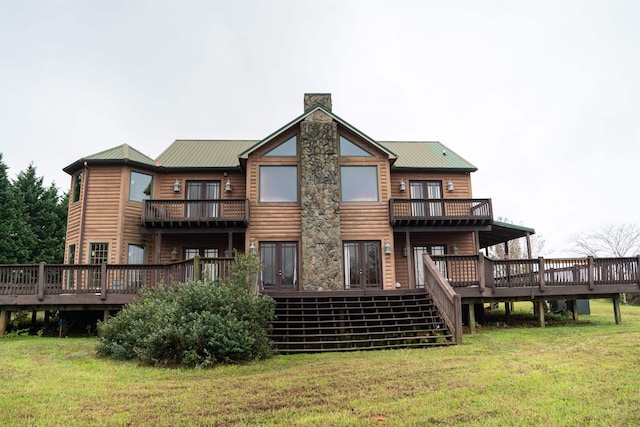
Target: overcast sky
column 543, row 97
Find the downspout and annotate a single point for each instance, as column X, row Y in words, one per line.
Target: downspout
column 82, row 211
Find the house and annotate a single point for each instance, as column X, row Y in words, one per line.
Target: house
column 326, row 206
column 364, row 243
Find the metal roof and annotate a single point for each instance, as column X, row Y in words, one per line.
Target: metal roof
column 427, row 155
column 121, row 153
column 203, row 153
column 502, row 232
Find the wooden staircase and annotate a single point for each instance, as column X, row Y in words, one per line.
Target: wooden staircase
column 315, row 322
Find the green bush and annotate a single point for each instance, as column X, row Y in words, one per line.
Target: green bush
column 194, row 324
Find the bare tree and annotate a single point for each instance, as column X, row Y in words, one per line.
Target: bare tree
column 612, row 240
column 517, row 247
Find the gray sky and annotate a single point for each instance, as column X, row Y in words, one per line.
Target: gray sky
column 543, row 97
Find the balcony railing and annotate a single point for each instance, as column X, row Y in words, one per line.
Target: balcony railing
column 440, row 212
column 196, row 213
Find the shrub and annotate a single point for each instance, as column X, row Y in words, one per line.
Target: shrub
column 194, row 324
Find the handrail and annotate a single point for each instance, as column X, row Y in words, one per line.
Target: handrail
column 476, row 209
column 445, row 298
column 172, row 210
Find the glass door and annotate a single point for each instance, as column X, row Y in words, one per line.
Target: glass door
column 203, row 199
column 418, row 262
column 362, row 265
column 280, row 262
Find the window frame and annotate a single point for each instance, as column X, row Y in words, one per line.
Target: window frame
column 261, row 187
column 344, row 182
column 132, row 183
column 77, row 187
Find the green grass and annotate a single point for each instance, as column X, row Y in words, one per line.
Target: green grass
column 570, row 373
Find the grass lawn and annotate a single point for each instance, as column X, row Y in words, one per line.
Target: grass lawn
column 569, row 373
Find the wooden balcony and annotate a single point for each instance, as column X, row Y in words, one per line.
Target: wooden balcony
column 440, row 212
column 195, row 213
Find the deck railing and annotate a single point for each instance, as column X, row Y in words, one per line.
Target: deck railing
column 60, row 279
column 182, row 213
column 464, row 271
column 440, row 211
column 444, row 297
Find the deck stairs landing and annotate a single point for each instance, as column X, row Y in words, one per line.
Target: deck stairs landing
column 345, row 321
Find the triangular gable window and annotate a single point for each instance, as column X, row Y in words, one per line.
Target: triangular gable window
column 289, row 148
column 349, row 149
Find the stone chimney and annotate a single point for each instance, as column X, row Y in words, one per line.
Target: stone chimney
column 313, row 99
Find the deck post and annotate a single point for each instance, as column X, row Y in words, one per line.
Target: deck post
column 507, row 312
column 196, row 268
column 103, row 281
column 540, row 304
column 5, row 319
column 590, row 272
column 574, row 312
column 472, row 318
column 105, row 315
column 481, row 272
column 541, row 273
column 40, row 285
column 616, row 309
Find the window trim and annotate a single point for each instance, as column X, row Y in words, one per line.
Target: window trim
column 261, row 168
column 150, row 186
column 374, row 167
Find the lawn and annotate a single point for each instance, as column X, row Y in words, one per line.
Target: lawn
column 569, row 373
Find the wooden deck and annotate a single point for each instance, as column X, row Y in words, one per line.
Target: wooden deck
column 440, row 212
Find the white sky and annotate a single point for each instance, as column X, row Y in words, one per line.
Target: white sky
column 543, row 97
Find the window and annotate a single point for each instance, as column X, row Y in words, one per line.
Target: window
column 134, row 278
column 279, row 184
column 426, row 190
column 140, row 186
column 98, row 254
column 77, row 185
column 135, row 254
column 289, row 148
column 418, row 263
column 199, row 193
column 362, row 265
column 280, row 261
column 350, row 149
column 359, row 183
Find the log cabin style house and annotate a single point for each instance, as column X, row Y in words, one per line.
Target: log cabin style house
column 363, row 243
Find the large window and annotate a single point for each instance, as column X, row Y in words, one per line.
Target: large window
column 359, row 183
column 77, row 185
column 427, row 192
column 279, row 184
column 289, row 148
column 350, row 149
column 280, row 262
column 362, row 265
column 140, row 186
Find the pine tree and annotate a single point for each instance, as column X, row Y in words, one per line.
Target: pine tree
column 12, row 250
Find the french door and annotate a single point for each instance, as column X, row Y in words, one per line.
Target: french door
column 201, row 192
column 418, row 263
column 280, row 266
column 209, row 269
column 362, row 265
column 430, row 195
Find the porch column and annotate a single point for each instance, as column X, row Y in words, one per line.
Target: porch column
column 528, row 245
column 507, row 312
column 158, row 248
column 574, row 312
column 230, row 245
column 616, row 309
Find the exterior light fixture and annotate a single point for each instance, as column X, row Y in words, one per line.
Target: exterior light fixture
column 176, row 186
column 227, row 186
column 252, row 247
column 450, row 186
column 405, row 250
column 454, row 249
column 174, row 254
column 387, row 247
column 403, row 186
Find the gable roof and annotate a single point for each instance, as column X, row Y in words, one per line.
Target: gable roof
column 245, row 154
column 122, row 153
column 427, row 155
column 203, row 153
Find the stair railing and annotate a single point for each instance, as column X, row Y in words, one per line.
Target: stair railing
column 445, row 298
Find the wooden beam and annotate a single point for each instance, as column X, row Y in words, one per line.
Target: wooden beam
column 616, row 309
column 472, row 318
column 528, row 236
column 540, row 303
column 507, row 312
column 5, row 319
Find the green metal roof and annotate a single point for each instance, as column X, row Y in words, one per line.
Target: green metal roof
column 502, row 232
column 203, row 154
column 121, row 153
column 427, row 155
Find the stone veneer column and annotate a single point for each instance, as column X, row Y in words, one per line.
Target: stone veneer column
column 321, row 249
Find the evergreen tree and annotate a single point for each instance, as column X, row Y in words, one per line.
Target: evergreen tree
column 11, row 251
column 44, row 218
